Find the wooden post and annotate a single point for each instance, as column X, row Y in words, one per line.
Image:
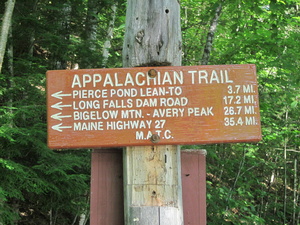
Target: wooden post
column 152, row 178
column 153, row 33
column 152, row 174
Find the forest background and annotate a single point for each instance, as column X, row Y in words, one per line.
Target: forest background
column 246, row 183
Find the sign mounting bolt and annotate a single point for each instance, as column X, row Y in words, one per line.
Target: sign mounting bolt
column 155, row 138
column 152, row 73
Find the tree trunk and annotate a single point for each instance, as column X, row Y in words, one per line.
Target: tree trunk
column 91, row 25
column 295, row 191
column 285, row 173
column 31, row 32
column 10, row 4
column 109, row 36
column 10, row 57
column 152, row 174
column 210, row 35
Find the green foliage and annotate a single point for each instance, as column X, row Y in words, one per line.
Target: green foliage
column 254, row 184
column 38, row 184
column 246, row 183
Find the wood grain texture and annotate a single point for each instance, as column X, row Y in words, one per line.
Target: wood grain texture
column 152, row 173
column 152, row 185
column 153, row 33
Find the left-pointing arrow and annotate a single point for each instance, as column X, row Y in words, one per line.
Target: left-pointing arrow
column 59, row 127
column 60, row 106
column 59, row 117
column 59, row 95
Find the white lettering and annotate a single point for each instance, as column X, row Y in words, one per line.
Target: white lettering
column 117, row 81
column 126, row 114
column 86, row 126
column 169, row 102
column 130, row 125
column 206, row 77
column 108, row 81
column 95, row 115
column 140, row 81
column 86, row 105
column 151, row 102
column 76, row 81
column 90, row 93
column 168, row 112
column 117, row 104
column 96, row 79
column 86, row 78
column 202, row 77
column 129, row 80
column 204, row 111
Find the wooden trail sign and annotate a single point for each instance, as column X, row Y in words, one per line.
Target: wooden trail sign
column 152, row 105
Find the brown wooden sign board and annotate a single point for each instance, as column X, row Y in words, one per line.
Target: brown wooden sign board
column 152, row 105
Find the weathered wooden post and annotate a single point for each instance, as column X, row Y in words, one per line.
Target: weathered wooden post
column 152, row 174
column 153, row 33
